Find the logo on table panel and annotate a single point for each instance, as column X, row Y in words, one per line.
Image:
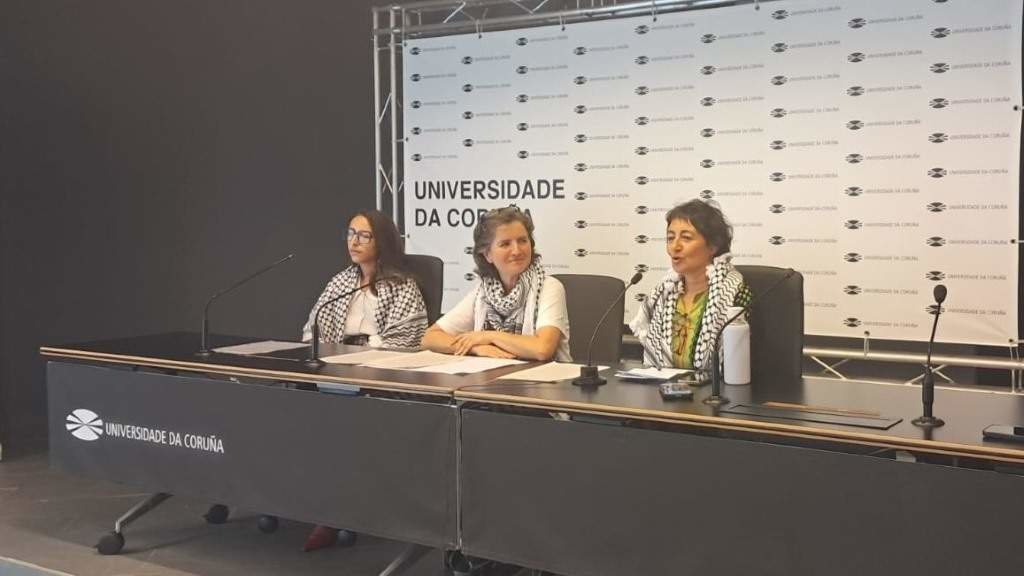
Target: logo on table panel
column 776, row 240
column 855, row 124
column 707, row 70
column 937, row 137
column 579, row 50
column 935, row 241
column 641, row 150
column 581, row 252
column 642, row 29
column 855, row 57
column 857, row 23
column 779, row 47
column 776, row 144
column 851, row 322
column 853, row 224
column 852, row 290
column 937, row 172
column 776, row 176
column 707, row 132
column 84, row 424
column 776, row 208
column 708, row 38
column 935, row 207
column 938, row 102
column 579, row 80
column 854, row 191
column 940, row 32
column 707, row 194
column 777, row 112
column 580, row 223
column 855, row 91
column 935, row 275
column 852, row 257
column 641, row 239
column 939, row 68
column 780, row 14
column 641, row 60
column 522, row 69
column 778, row 80
column 467, row 59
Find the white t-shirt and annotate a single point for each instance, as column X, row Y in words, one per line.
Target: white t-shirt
column 552, row 312
column 359, row 320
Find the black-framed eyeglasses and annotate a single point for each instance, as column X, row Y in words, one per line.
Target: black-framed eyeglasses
column 361, row 236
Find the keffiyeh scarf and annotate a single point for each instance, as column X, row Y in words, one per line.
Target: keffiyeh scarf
column 515, row 312
column 401, row 315
column 653, row 323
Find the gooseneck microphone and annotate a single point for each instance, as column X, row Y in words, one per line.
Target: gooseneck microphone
column 204, row 350
column 927, row 420
column 314, row 360
column 716, row 398
column 588, row 374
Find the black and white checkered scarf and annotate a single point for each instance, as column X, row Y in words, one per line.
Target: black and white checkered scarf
column 400, row 314
column 653, row 322
column 515, row 312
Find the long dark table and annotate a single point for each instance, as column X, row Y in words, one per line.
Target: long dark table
column 240, row 430
column 614, row 480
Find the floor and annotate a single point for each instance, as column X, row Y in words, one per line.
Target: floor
column 50, row 523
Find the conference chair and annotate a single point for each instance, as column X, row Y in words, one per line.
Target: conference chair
column 776, row 322
column 429, row 274
column 587, row 296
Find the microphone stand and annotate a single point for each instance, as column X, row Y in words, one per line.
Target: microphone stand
column 927, row 420
column 204, row 350
column 588, row 374
column 314, row 361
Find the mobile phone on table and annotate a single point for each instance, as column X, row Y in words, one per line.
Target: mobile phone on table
column 1004, row 432
column 675, row 390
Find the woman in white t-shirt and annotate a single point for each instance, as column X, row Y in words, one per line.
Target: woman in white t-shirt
column 515, row 310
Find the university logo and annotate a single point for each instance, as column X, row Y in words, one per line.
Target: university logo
column 642, row 29
column 854, row 191
column 852, row 257
column 857, row 23
column 851, row 322
column 416, row 157
column 469, row 276
column 641, row 180
column 522, row 98
column 937, row 172
column 642, row 120
column 708, row 38
column 579, row 50
column 933, row 309
column 707, row 101
column 938, row 102
column 707, row 194
column 935, row 241
column 934, row 275
column 581, row 109
column 707, row 163
column 522, row 126
column 580, row 223
column 776, row 240
column 856, row 57
column 939, row 67
column 641, row 209
column 855, row 91
column 84, row 424
column 468, row 115
column 707, row 132
column 778, row 80
column 580, row 195
column 416, row 130
column 776, row 144
column 521, row 41
column 467, row 87
column 776, row 208
column 523, row 154
column 415, row 50
column 579, row 80
column 580, row 167
column 416, row 104
column 853, row 224
column 854, row 158
column 940, row 32
column 467, row 59
column 641, row 60
column 776, row 176
column 707, row 70
column 854, row 124
column 780, row 15
column 852, row 290
column 580, row 138
column 581, row 252
column 937, row 138
column 641, row 268
column 779, row 47
column 641, row 239
column 522, row 69
column 642, row 90
column 641, row 150
column 415, row 77
column 777, row 112
column 467, row 142
column 935, row 207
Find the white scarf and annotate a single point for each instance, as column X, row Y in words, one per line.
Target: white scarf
column 515, row 312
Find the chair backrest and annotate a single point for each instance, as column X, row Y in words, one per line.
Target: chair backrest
column 429, row 274
column 587, row 296
column 776, row 323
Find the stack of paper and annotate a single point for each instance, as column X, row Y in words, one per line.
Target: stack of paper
column 550, row 372
column 651, row 374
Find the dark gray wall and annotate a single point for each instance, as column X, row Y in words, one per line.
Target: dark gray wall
column 154, row 151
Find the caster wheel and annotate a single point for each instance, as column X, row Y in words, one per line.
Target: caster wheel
column 267, row 524
column 110, row 544
column 217, row 514
column 457, row 563
column 346, row 538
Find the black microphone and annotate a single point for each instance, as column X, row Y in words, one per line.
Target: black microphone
column 927, row 420
column 588, row 374
column 204, row 335
column 314, row 360
column 716, row 397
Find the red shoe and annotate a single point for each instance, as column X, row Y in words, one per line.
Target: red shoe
column 321, row 537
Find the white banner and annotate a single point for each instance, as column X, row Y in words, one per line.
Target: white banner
column 872, row 145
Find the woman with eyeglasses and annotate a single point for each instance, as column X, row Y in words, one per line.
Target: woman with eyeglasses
column 678, row 320
column 516, row 310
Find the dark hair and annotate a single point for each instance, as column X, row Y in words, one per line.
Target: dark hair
column 484, row 232
column 708, row 220
column 390, row 251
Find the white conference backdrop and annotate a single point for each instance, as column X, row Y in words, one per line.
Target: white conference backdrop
column 871, row 145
